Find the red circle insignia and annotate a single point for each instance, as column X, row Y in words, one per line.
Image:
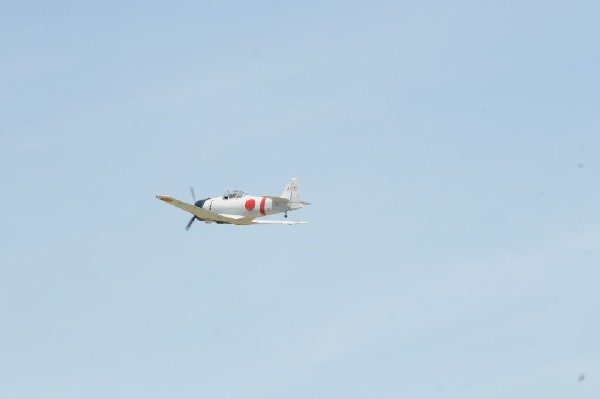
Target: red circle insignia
column 250, row 204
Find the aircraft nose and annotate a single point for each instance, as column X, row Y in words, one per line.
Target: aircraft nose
column 200, row 203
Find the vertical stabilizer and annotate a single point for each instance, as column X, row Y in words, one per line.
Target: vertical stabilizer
column 292, row 193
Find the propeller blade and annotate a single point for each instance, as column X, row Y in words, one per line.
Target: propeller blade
column 193, row 193
column 190, row 223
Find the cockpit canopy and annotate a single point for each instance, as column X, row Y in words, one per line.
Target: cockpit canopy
column 233, row 194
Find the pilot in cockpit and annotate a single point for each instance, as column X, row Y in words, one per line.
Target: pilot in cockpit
column 233, row 194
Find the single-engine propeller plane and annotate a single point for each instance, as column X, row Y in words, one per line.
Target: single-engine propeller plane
column 237, row 207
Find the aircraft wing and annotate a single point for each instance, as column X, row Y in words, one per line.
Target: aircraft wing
column 263, row 221
column 203, row 213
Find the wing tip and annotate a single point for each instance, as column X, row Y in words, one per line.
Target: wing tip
column 164, row 198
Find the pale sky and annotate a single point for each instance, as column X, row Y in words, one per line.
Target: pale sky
column 450, row 150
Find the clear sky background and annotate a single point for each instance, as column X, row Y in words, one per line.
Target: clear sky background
column 450, row 149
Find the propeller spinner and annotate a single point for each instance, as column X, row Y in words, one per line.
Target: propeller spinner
column 199, row 204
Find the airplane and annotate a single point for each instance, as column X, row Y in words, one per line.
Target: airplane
column 237, row 207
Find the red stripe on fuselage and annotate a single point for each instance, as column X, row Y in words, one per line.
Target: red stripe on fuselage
column 262, row 206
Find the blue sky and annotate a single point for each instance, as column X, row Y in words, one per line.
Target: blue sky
column 450, row 150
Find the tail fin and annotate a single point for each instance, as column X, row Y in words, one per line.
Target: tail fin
column 292, row 193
